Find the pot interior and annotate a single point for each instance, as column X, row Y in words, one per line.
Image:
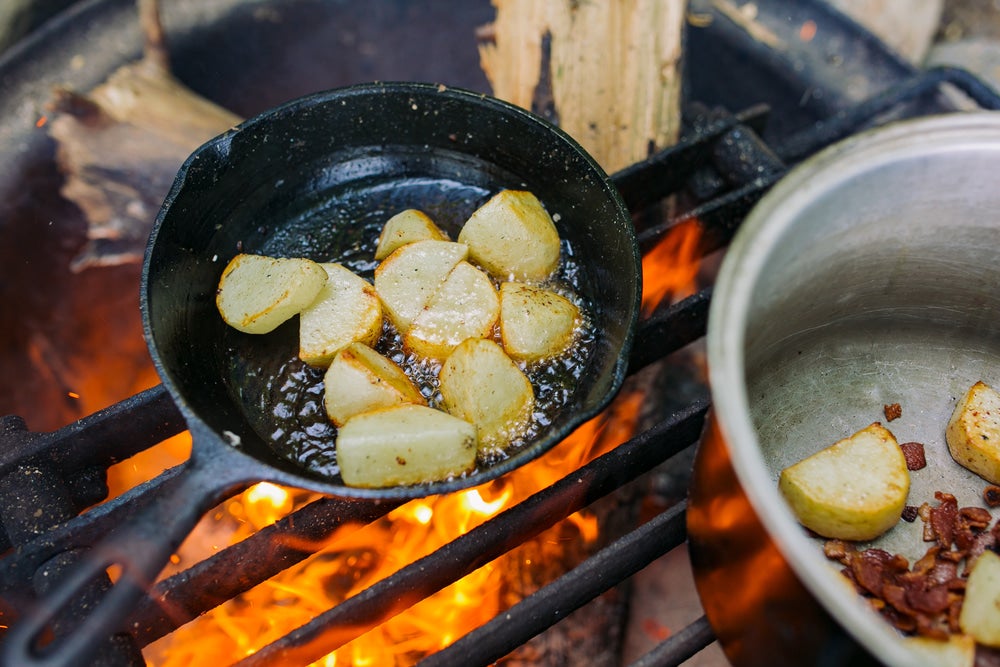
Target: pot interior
column 867, row 278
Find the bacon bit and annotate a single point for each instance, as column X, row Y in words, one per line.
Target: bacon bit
column 839, row 550
column 910, row 513
column 991, row 495
column 942, row 519
column 913, row 452
column 925, row 599
column 892, row 411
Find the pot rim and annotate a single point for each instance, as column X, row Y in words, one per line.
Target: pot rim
column 765, row 226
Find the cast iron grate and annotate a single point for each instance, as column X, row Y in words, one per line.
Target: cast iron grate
column 718, row 171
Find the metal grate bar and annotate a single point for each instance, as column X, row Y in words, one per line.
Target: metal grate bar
column 413, row 583
column 848, row 122
column 550, row 604
column 679, row 647
column 182, row 597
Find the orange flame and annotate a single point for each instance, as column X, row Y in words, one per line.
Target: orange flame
column 671, row 268
column 359, row 556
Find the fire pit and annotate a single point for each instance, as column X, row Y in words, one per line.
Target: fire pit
column 75, row 343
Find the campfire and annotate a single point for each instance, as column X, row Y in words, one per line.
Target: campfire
column 277, row 575
column 355, row 557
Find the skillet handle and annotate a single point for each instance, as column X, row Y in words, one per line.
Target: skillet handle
column 140, row 547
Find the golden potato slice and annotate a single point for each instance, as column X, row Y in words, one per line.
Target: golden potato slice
column 256, row 293
column 973, row 432
column 980, row 616
column 406, row 227
column 410, row 276
column 854, row 489
column 956, row 651
column 480, row 384
column 535, row 323
column 404, row 444
column 346, row 310
column 360, row 380
column 465, row 306
column 513, row 237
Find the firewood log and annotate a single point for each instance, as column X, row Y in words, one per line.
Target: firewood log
column 120, row 145
column 613, row 67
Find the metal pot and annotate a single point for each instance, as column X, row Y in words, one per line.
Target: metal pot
column 317, row 177
column 868, row 276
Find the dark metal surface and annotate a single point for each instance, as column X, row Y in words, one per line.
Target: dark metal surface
column 249, row 56
column 307, row 179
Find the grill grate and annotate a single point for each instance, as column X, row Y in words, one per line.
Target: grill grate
column 718, row 171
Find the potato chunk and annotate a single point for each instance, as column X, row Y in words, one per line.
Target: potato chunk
column 256, row 294
column 346, row 310
column 480, row 384
column 405, row 444
column 406, row 227
column 360, row 380
column 980, row 617
column 854, row 489
column 465, row 306
column 410, row 276
column 513, row 237
column 973, row 432
column 535, row 323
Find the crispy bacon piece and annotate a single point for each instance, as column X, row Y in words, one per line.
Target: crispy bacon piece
column 991, row 495
column 913, row 452
column 892, row 411
column 925, row 599
column 942, row 519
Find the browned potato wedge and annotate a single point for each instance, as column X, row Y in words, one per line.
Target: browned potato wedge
column 256, row 293
column 535, row 323
column 406, row 227
column 973, row 432
column 480, row 384
column 360, row 380
column 956, row 651
column 346, row 310
column 404, row 444
column 980, row 616
column 410, row 276
column 513, row 237
column 855, row 489
column 465, row 306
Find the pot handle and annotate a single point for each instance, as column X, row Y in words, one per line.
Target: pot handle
column 140, row 547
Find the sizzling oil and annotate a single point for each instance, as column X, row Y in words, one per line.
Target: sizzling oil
column 285, row 395
column 301, row 430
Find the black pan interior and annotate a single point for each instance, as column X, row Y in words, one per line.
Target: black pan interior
column 317, row 178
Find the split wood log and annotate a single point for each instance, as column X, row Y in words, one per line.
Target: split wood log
column 120, row 145
column 613, row 67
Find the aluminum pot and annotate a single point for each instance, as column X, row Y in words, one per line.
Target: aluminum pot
column 868, row 276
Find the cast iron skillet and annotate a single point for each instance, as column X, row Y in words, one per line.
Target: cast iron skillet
column 317, row 177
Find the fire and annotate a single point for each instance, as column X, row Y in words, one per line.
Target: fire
column 671, row 268
column 359, row 556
